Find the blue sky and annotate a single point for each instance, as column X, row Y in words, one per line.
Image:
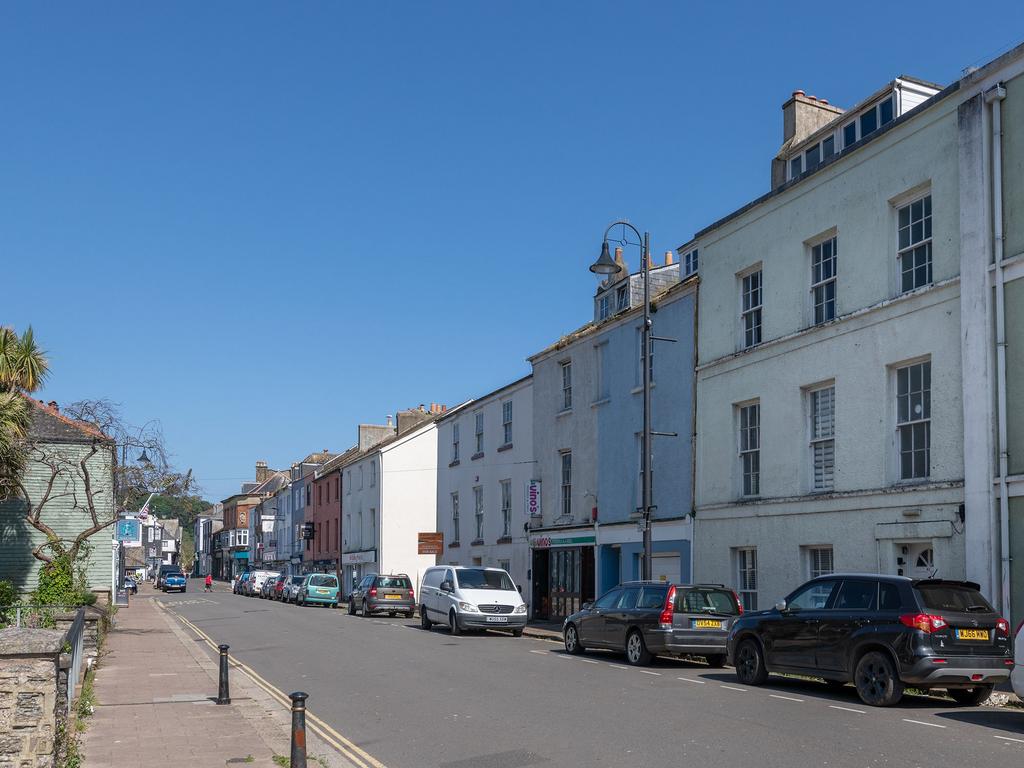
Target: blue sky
column 264, row 223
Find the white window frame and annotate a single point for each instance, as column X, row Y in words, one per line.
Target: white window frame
column 455, row 517
column 506, row 422
column 373, row 474
column 604, row 309
column 565, row 475
column 815, row 556
column 749, row 447
column 600, row 380
column 622, row 297
column 506, row 508
column 478, row 511
column 824, row 439
column 908, row 248
column 566, row 370
column 691, row 262
column 824, row 273
column 751, row 314
column 455, row 441
column 916, row 425
column 856, row 120
column 746, row 577
column 478, row 431
column 801, row 158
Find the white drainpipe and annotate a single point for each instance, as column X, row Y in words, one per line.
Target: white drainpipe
column 995, row 96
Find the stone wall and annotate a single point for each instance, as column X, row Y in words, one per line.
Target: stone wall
column 30, row 697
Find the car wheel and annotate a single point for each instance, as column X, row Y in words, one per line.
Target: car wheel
column 750, row 668
column 410, row 614
column 877, row 683
column 351, row 608
column 636, row 650
column 517, row 632
column 453, row 623
column 366, row 613
column 716, row 660
column 391, row 614
column 425, row 623
column 970, row 697
column 571, row 638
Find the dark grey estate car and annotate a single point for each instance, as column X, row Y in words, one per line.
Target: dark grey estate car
column 881, row 633
column 391, row 594
column 649, row 618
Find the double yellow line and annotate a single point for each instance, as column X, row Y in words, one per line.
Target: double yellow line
column 352, row 752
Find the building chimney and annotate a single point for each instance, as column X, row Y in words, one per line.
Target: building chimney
column 388, row 422
column 669, row 258
column 802, row 115
column 262, row 473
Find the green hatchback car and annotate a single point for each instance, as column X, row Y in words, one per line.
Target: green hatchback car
column 319, row 588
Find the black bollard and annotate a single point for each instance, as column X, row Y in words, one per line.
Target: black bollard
column 223, row 696
column 298, row 729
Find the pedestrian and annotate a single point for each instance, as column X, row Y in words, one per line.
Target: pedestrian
column 209, row 582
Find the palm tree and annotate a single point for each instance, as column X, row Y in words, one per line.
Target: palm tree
column 23, row 369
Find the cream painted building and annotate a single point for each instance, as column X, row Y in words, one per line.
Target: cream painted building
column 830, row 383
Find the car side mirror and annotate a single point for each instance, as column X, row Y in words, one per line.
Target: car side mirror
column 520, row 588
column 781, row 606
column 446, row 586
column 587, row 606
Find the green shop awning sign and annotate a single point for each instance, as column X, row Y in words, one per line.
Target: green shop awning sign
column 547, row 542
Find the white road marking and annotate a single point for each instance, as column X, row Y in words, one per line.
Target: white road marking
column 733, row 688
column 787, row 698
column 617, row 666
column 1007, row 738
column 648, row 672
column 848, row 709
column 691, row 680
column 590, row 661
column 921, row 722
column 563, row 656
column 542, row 653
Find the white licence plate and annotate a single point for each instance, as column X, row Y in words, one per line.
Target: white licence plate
column 497, row 619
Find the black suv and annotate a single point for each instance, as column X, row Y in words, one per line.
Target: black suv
column 650, row 618
column 881, row 633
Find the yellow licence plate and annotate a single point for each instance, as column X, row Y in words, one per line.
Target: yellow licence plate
column 392, row 597
column 972, row 634
column 707, row 624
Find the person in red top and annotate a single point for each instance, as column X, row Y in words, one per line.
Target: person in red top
column 209, row 583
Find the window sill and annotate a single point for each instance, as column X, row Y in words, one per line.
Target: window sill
column 563, row 412
column 453, row 545
column 504, row 540
column 602, row 401
column 505, row 447
column 476, row 543
column 640, row 389
column 453, row 464
column 476, row 456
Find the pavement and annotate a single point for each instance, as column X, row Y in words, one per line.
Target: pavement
column 406, row 698
column 155, row 694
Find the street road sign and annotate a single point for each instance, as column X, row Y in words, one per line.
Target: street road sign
column 431, row 543
column 129, row 531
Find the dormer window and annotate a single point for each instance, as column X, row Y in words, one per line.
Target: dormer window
column 603, row 307
column 690, row 263
column 867, row 122
column 621, row 298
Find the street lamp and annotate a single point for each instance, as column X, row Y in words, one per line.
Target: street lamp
column 606, row 266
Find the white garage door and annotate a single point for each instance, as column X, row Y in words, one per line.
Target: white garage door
column 665, row 568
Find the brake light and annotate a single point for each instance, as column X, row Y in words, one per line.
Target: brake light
column 670, row 601
column 411, row 594
column 926, row 622
column 373, row 591
column 1002, row 627
column 739, row 603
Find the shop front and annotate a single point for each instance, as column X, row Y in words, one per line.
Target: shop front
column 355, row 565
column 563, row 572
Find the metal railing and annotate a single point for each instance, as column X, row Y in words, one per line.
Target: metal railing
column 75, row 639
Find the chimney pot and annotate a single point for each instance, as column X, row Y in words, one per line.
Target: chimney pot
column 823, row 101
column 669, row 258
column 798, row 93
column 813, row 98
column 389, row 420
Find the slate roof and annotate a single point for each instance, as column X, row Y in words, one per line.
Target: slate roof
column 50, row 425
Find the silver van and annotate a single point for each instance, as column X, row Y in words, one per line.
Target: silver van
column 463, row 597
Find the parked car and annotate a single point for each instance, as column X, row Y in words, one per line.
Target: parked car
column 1017, row 678
column 277, row 587
column 266, row 589
column 882, row 633
column 471, row 598
column 255, row 584
column 162, row 571
column 644, row 619
column 318, row 588
column 240, row 582
column 174, row 581
column 291, row 588
column 131, row 585
column 392, row 594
